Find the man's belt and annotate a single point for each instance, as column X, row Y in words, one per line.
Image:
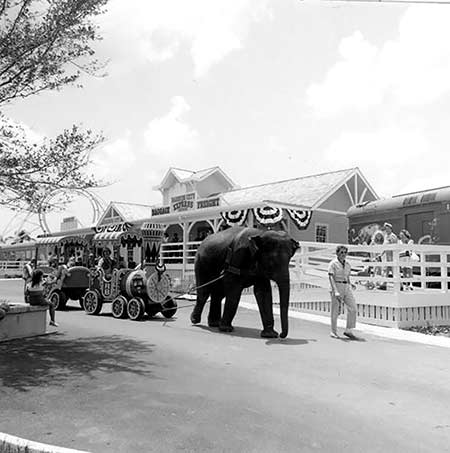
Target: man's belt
column 340, row 281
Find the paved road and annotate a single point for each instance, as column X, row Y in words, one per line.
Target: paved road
column 107, row 385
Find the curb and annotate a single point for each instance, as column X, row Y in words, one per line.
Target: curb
column 13, row 444
column 385, row 332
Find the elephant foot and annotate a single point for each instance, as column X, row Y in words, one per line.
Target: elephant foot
column 269, row 333
column 213, row 323
column 195, row 318
column 223, row 328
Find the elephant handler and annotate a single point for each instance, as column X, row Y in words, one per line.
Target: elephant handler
column 341, row 292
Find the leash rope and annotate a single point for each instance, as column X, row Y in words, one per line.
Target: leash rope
column 170, row 299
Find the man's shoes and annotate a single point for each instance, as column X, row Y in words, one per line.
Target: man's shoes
column 53, row 323
column 350, row 335
column 334, row 335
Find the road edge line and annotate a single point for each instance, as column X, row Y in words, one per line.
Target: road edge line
column 13, row 444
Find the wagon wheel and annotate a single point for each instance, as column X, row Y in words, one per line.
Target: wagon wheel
column 58, row 299
column 92, row 303
column 170, row 307
column 158, row 287
column 153, row 309
column 135, row 308
column 119, row 307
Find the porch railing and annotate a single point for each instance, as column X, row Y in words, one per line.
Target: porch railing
column 427, row 267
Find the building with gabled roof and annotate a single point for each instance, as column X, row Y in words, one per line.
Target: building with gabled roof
column 118, row 211
column 204, row 183
column 321, row 200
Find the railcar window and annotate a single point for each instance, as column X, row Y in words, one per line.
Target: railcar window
column 426, row 198
column 409, row 201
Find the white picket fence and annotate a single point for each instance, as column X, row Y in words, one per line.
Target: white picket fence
column 381, row 299
column 12, row 269
column 395, row 298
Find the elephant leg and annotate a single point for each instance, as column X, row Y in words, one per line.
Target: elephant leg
column 215, row 306
column 263, row 295
column 232, row 298
column 202, row 297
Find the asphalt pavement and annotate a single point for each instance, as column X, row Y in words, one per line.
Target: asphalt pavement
column 105, row 385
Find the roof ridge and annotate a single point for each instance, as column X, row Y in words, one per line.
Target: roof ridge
column 132, row 203
column 420, row 191
column 292, row 179
column 182, row 169
column 207, row 169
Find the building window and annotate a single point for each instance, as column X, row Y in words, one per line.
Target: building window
column 321, row 233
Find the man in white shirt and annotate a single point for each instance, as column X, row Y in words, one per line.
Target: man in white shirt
column 341, row 292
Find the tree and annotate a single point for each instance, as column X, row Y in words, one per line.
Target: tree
column 32, row 169
column 44, row 45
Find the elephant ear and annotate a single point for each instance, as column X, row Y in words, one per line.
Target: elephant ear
column 254, row 243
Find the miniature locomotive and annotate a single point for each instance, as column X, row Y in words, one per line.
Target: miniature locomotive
column 131, row 292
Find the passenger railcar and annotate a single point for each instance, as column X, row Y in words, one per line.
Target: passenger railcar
column 425, row 214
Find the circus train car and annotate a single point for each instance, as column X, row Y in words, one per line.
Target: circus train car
column 425, row 214
column 132, row 289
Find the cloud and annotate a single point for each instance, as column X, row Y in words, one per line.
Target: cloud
column 169, row 133
column 389, row 157
column 155, row 30
column 113, row 158
column 413, row 69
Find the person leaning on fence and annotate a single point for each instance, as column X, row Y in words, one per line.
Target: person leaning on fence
column 389, row 238
column 341, row 292
column 35, row 292
column 406, row 256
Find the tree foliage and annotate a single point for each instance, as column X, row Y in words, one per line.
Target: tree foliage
column 31, row 169
column 44, row 45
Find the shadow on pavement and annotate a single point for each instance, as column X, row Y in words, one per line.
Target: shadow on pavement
column 54, row 360
column 249, row 332
column 290, row 341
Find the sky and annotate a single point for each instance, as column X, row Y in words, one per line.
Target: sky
column 265, row 89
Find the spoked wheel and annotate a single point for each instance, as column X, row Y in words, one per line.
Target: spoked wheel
column 92, row 303
column 58, row 299
column 119, row 307
column 135, row 308
column 169, row 307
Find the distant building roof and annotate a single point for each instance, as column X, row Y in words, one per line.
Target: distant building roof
column 132, row 211
column 182, row 175
column 307, row 191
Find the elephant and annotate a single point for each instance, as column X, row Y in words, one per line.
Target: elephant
column 236, row 258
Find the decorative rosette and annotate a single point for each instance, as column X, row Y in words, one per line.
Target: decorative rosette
column 236, row 217
column 268, row 215
column 301, row 218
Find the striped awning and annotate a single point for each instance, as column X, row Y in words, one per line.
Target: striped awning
column 48, row 240
column 152, row 230
column 63, row 240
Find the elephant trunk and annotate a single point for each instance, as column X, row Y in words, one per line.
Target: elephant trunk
column 284, row 291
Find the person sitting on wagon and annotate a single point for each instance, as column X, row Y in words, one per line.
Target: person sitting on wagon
column 61, row 272
column 107, row 263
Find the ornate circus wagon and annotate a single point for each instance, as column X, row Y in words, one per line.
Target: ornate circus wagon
column 131, row 293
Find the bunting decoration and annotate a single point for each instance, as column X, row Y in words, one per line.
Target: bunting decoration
column 268, row 215
column 301, row 218
column 236, row 217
